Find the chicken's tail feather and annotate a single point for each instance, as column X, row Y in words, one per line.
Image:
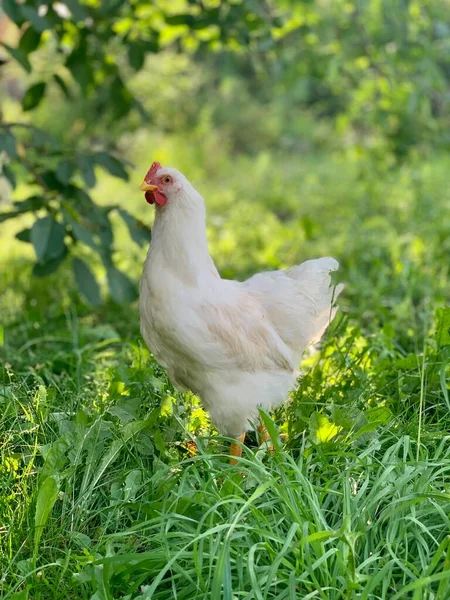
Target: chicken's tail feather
column 299, row 301
column 317, row 273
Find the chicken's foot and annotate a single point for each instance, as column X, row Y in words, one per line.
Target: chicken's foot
column 263, row 434
column 236, row 449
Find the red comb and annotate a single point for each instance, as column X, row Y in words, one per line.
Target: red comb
column 152, row 171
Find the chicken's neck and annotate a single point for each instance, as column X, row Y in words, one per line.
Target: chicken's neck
column 179, row 242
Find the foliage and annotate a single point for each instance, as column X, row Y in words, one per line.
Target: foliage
column 379, row 73
column 87, row 43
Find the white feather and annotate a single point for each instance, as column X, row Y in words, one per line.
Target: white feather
column 236, row 345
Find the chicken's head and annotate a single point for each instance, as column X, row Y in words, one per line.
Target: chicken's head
column 161, row 184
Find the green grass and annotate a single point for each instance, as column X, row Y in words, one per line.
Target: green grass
column 100, row 495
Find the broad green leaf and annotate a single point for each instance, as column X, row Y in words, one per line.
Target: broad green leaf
column 38, row 23
column 348, row 419
column 43, row 140
column 43, row 269
column 55, row 456
column 5, row 216
column 151, row 45
column 8, row 144
column 24, row 235
column 80, row 198
column 19, row 55
column 321, row 429
column 136, row 55
column 159, row 441
column 379, row 414
column 110, row 7
column 53, row 20
column 79, row 12
column 87, row 284
column 47, row 237
column 87, row 170
column 80, row 66
column 122, row 289
column 121, row 100
column 52, row 181
column 64, row 171
column 207, row 19
column 62, row 86
column 406, row 363
column 33, row 96
column 9, row 174
column 81, row 540
column 28, row 205
column 111, row 164
column 82, row 74
column 13, row 9
column 365, row 433
column 102, row 226
column 139, row 232
column 55, row 245
column 46, row 498
column 125, row 410
column 185, row 19
column 81, row 233
column 30, row 40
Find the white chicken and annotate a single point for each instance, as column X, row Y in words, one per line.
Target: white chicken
column 237, row 345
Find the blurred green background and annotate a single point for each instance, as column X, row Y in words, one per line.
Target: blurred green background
column 309, row 127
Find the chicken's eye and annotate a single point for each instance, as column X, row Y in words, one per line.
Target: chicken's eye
column 167, row 179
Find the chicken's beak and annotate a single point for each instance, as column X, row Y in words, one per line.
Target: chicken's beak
column 148, row 187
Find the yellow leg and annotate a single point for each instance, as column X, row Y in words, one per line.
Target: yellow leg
column 236, row 449
column 263, row 434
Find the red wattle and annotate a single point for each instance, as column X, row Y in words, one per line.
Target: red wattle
column 156, row 196
column 159, row 198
